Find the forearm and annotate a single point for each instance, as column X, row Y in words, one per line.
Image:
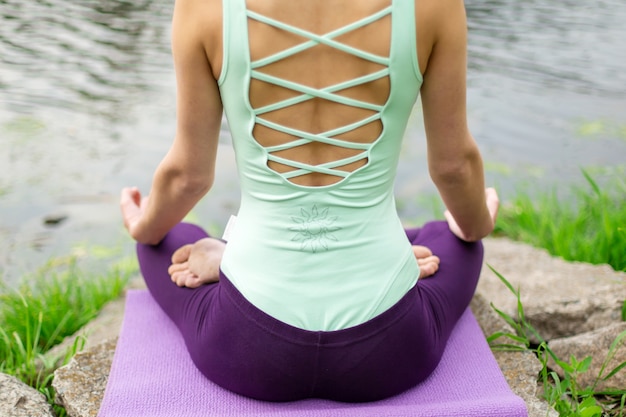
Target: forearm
column 454, row 160
column 175, row 191
column 462, row 188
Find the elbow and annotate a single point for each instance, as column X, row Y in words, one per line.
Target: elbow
column 195, row 184
column 185, row 182
column 450, row 173
column 474, row 236
column 149, row 240
column 456, row 169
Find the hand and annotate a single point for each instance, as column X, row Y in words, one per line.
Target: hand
column 493, row 203
column 132, row 206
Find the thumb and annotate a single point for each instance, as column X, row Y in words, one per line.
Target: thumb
column 493, row 202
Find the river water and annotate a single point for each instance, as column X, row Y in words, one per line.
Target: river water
column 87, row 107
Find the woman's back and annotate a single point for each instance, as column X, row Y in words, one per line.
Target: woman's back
column 318, row 67
column 317, row 135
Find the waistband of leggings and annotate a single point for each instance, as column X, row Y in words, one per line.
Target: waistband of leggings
column 297, row 335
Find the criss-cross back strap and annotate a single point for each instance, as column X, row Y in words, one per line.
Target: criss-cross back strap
column 326, row 93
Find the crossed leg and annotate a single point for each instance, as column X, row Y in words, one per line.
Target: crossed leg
column 198, row 263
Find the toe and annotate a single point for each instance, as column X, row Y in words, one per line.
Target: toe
column 428, row 269
column 421, row 251
column 428, row 259
column 428, row 266
column 194, row 282
column 181, row 278
column 181, row 254
column 179, row 267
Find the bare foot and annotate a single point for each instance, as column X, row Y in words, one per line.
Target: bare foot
column 428, row 263
column 197, row 264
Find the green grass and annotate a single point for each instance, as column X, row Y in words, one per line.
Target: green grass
column 565, row 395
column 591, row 228
column 588, row 227
column 48, row 306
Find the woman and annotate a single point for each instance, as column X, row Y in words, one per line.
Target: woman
column 316, row 293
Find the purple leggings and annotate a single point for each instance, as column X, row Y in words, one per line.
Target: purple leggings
column 244, row 350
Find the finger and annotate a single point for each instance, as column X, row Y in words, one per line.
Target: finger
column 493, row 202
column 128, row 197
column 453, row 226
column 135, row 195
column 130, row 212
column 130, row 194
column 125, row 196
column 143, row 202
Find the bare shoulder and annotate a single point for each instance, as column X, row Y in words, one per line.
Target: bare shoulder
column 436, row 20
column 212, row 29
column 199, row 22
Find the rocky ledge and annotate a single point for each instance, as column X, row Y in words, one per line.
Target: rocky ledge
column 576, row 307
column 19, row 400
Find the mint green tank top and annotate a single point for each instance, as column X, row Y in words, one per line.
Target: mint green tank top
column 319, row 257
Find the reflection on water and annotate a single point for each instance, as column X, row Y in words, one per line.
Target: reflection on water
column 87, row 56
column 87, row 106
column 572, row 45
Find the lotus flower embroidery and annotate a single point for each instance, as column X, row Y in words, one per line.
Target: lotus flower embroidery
column 314, row 229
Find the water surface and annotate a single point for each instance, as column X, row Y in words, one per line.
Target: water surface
column 87, row 106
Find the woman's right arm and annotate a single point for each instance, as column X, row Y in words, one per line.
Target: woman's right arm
column 454, row 161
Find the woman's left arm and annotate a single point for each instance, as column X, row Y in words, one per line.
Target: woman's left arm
column 187, row 171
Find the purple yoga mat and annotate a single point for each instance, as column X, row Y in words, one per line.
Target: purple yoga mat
column 152, row 375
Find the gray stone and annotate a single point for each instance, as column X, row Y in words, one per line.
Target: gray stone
column 490, row 322
column 520, row 368
column 19, row 400
column 560, row 298
column 595, row 344
column 80, row 384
